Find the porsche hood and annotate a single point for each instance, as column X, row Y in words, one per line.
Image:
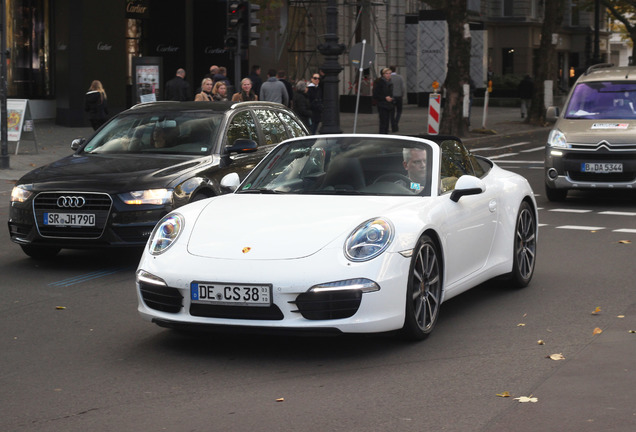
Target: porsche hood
column 261, row 227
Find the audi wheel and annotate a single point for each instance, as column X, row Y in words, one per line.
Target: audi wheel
column 40, row 252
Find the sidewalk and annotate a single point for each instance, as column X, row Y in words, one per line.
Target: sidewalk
column 54, row 141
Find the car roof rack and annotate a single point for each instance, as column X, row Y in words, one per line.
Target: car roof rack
column 598, row 66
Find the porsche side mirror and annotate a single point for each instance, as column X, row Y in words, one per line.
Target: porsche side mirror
column 230, row 181
column 467, row 185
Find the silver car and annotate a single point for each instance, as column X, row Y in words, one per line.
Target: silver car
column 593, row 142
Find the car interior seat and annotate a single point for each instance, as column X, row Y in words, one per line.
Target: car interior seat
column 344, row 174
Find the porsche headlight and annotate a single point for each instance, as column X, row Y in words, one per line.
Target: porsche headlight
column 21, row 193
column 369, row 240
column 557, row 139
column 166, row 232
column 148, row 196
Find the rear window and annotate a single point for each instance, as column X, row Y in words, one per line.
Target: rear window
column 603, row 100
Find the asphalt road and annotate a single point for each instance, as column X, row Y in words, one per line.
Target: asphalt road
column 76, row 356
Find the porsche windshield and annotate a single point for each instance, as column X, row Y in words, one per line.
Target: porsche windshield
column 190, row 133
column 348, row 165
column 603, row 100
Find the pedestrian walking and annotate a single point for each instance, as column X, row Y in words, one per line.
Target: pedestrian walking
column 177, row 88
column 222, row 76
column 95, row 104
column 273, row 90
column 301, row 103
column 246, row 93
column 206, row 91
column 255, row 77
column 383, row 96
column 526, row 90
column 219, row 92
column 314, row 92
column 399, row 90
column 282, row 77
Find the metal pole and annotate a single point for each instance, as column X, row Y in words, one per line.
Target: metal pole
column 355, row 117
column 4, row 158
column 331, row 49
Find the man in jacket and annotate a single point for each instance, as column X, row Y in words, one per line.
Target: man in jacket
column 273, row 90
column 383, row 96
column 178, row 89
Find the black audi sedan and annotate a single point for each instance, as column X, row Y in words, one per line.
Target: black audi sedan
column 143, row 163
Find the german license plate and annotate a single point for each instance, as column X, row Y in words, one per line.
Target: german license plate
column 231, row 294
column 69, row 219
column 602, row 167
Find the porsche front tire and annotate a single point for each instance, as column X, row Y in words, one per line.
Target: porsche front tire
column 424, row 290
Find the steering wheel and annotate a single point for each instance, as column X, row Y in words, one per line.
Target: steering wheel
column 393, row 178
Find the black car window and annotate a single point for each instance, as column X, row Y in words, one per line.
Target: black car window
column 294, row 127
column 242, row 126
column 188, row 133
column 273, row 128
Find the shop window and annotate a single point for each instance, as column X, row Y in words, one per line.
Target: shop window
column 29, row 67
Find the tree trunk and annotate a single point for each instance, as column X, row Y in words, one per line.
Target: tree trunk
column 545, row 69
column 458, row 69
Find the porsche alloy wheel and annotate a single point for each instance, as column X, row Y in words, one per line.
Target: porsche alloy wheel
column 424, row 291
column 525, row 246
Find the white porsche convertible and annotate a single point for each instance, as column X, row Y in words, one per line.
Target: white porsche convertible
column 341, row 233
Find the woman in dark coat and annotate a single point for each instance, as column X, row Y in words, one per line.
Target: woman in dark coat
column 96, row 104
column 301, row 105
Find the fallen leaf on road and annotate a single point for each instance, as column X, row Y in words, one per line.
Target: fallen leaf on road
column 597, row 310
column 280, row 400
column 504, row 394
column 632, row 331
column 540, row 342
column 620, row 316
column 523, row 399
column 624, row 241
column 521, row 325
column 60, row 307
column 556, row 356
column 597, row 331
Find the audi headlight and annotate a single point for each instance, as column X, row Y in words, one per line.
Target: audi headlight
column 21, row 193
column 369, row 240
column 148, row 196
column 165, row 233
column 557, row 139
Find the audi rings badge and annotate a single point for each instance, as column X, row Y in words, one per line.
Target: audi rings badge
column 71, row 202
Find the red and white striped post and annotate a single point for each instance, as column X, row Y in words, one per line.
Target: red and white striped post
column 434, row 104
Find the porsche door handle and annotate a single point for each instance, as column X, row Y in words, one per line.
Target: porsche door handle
column 492, row 206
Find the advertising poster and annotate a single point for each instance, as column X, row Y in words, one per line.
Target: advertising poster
column 16, row 110
column 147, row 80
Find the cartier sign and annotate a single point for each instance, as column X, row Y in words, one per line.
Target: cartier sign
column 161, row 48
column 137, row 9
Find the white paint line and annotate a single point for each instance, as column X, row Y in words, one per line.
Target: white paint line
column 580, row 227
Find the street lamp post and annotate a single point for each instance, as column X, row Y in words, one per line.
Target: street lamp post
column 4, row 157
column 331, row 49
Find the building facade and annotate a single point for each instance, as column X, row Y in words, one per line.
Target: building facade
column 56, row 48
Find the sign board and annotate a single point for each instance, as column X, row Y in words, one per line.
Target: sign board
column 16, row 112
column 19, row 121
column 147, row 79
column 356, row 55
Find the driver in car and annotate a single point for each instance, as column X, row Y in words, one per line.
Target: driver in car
column 415, row 166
